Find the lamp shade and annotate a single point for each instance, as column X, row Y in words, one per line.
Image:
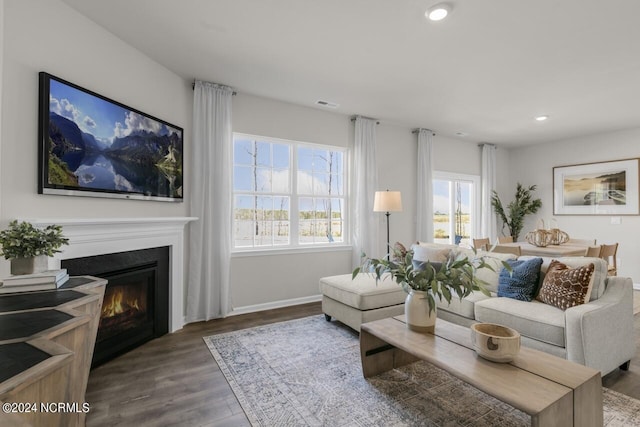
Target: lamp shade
column 387, row 201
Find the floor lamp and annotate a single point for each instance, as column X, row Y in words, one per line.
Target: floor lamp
column 387, row 201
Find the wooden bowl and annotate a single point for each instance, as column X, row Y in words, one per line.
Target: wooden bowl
column 495, row 342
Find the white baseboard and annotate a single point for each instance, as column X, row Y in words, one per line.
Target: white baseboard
column 275, row 304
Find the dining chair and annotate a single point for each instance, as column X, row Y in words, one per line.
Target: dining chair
column 608, row 253
column 482, row 244
column 505, row 239
column 503, row 249
column 593, row 251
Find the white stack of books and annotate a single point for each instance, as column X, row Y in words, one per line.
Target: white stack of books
column 47, row 280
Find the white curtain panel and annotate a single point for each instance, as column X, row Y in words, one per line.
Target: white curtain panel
column 364, row 224
column 211, row 193
column 424, row 198
column 489, row 220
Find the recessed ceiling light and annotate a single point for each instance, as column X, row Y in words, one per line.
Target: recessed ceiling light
column 438, row 12
column 462, row 134
column 542, row 118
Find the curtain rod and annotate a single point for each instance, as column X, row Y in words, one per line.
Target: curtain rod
column 353, row 119
column 193, row 86
column 419, row 129
column 486, row 143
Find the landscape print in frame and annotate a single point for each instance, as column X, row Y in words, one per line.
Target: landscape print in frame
column 602, row 188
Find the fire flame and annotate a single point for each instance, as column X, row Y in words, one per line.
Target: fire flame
column 115, row 306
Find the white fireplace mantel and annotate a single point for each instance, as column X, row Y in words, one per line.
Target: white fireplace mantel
column 99, row 236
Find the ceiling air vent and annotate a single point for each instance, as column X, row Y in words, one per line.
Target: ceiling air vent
column 327, row 104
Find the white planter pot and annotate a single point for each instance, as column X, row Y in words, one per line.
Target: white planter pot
column 416, row 310
column 29, row 265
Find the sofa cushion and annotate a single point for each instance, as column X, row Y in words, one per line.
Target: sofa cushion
column 566, row 287
column 428, row 253
column 521, row 282
column 363, row 292
column 599, row 272
column 464, row 307
column 494, row 260
column 491, row 258
column 533, row 319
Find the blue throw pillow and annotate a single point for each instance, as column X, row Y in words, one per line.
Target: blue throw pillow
column 522, row 282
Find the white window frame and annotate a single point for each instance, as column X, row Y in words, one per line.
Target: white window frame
column 475, row 197
column 294, row 245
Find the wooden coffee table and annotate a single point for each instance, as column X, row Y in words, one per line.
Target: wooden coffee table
column 553, row 391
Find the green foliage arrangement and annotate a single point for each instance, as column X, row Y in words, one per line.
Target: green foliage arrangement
column 522, row 205
column 455, row 276
column 23, row 240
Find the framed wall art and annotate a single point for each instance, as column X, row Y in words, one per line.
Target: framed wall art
column 602, row 188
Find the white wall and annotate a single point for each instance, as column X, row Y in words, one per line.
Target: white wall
column 2, row 18
column 269, row 280
column 534, row 165
column 47, row 35
column 266, row 280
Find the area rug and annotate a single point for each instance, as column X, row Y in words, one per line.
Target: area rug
column 307, row 372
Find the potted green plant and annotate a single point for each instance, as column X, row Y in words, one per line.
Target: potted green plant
column 522, row 205
column 424, row 281
column 28, row 247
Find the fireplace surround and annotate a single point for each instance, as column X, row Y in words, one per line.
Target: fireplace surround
column 98, row 236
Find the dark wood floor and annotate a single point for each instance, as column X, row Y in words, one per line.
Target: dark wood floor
column 174, row 381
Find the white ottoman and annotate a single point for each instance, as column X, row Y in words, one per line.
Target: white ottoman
column 361, row 300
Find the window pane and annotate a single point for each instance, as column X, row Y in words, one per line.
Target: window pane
column 263, row 175
column 453, row 210
column 305, row 159
column 320, row 183
column 281, row 156
column 336, row 185
column 242, row 151
column 281, row 236
column 281, row 179
column 262, row 180
column 305, row 207
column 305, row 183
column 243, row 178
column 321, row 160
column 281, row 208
column 337, row 166
column 262, row 153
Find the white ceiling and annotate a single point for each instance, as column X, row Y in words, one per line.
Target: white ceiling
column 486, row 71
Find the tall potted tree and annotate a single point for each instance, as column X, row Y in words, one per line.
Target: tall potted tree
column 522, row 205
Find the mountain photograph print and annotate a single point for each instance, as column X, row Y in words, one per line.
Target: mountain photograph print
column 91, row 145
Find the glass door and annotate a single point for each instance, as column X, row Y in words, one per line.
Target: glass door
column 455, row 208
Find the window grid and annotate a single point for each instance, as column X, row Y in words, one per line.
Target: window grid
column 299, row 217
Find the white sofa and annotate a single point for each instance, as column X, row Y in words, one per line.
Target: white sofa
column 598, row 334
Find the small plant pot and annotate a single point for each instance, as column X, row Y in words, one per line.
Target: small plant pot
column 36, row 264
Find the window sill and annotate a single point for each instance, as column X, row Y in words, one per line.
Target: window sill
column 290, row 251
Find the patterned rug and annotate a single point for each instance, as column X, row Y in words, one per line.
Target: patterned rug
column 307, row 372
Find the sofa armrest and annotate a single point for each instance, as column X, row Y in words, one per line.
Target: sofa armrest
column 600, row 333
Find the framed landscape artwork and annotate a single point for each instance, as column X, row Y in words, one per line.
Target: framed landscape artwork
column 603, row 188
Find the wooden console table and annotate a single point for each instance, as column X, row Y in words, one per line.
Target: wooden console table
column 46, row 346
column 553, row 391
